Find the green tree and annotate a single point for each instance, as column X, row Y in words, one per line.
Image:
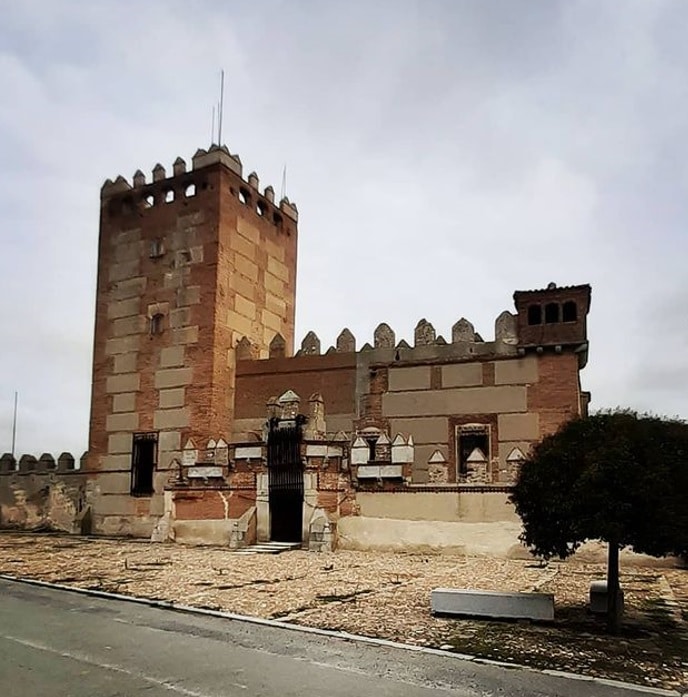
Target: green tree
column 613, row 476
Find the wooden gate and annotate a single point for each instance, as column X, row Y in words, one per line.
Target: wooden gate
column 285, row 480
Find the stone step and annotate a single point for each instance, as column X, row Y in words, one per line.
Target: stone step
column 269, row 548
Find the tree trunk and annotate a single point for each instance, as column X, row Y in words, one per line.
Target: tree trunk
column 613, row 588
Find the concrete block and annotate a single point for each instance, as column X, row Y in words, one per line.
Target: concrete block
column 474, row 603
column 123, row 344
column 598, row 598
column 119, row 443
column 169, row 440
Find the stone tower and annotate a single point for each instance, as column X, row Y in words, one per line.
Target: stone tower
column 188, row 266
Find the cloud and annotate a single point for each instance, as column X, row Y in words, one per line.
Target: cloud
column 442, row 155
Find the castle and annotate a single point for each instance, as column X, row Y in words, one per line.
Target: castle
column 207, row 426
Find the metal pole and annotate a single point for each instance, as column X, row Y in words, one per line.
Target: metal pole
column 221, row 114
column 14, row 424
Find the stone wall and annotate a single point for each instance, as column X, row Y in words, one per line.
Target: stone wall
column 44, row 494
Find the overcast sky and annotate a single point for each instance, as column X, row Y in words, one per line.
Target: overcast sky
column 441, row 153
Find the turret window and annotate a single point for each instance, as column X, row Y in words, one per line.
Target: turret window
column 552, row 313
column 534, row 314
column 156, row 324
column 570, row 311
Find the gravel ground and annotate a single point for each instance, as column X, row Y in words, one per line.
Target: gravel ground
column 388, row 596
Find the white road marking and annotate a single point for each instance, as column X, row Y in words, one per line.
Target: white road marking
column 82, row 658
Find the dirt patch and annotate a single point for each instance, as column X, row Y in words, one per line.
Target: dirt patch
column 387, row 595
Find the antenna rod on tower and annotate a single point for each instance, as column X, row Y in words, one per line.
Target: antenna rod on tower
column 222, row 98
column 284, row 182
column 14, row 424
column 212, row 128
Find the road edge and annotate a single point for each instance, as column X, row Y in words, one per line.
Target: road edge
column 331, row 633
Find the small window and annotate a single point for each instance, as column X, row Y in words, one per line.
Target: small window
column 552, row 313
column 570, row 311
column 149, row 201
column 277, row 219
column 534, row 314
column 469, row 439
column 156, row 324
column 260, row 208
column 371, row 442
column 143, row 461
column 244, row 196
column 157, row 249
column 169, row 196
column 190, row 191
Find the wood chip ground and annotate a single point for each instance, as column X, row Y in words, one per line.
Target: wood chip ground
column 387, row 595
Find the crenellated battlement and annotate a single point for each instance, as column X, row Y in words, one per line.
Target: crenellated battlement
column 465, row 343
column 123, row 196
column 65, row 462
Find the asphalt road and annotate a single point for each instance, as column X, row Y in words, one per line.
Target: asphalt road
column 58, row 643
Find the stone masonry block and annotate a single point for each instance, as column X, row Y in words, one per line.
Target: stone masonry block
column 171, row 418
column 123, row 308
column 243, row 286
column 122, row 422
column 243, row 246
column 172, row 377
column 274, row 285
column 180, row 317
column 462, row 375
column 423, row 430
column 516, row 371
column 239, row 323
column 132, row 288
column 126, row 401
column 271, row 320
column 189, row 296
column 124, row 344
column 125, row 363
column 247, row 230
column 172, row 356
column 119, row 443
column 417, row 378
column 278, row 269
column 116, row 462
column 184, row 335
column 126, row 382
column 275, row 304
column 518, row 427
column 245, row 307
column 125, row 326
column 173, row 397
column 169, row 441
column 124, row 270
column 247, row 268
column 469, row 400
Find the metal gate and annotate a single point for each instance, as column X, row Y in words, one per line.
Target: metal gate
column 285, row 480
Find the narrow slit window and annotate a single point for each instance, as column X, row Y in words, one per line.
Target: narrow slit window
column 156, row 324
column 169, row 196
column 190, row 191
